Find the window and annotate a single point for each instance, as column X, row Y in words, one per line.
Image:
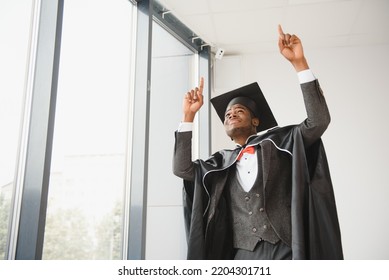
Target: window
column 172, row 74
column 89, row 159
column 70, row 132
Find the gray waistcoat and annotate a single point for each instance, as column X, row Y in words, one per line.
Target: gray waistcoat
column 249, row 217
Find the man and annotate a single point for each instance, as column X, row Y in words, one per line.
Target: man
column 271, row 197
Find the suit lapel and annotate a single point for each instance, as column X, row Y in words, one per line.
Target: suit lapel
column 266, row 151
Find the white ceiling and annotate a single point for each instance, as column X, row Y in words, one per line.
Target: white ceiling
column 250, row 26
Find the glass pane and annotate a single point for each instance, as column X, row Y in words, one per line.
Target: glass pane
column 172, row 74
column 88, row 168
column 15, row 21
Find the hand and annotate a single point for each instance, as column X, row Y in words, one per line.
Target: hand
column 291, row 48
column 193, row 101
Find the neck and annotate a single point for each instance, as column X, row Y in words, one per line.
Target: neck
column 240, row 135
column 242, row 140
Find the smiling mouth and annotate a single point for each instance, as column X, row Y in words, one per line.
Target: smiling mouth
column 234, row 121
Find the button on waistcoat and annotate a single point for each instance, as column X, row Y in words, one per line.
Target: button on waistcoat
column 250, row 220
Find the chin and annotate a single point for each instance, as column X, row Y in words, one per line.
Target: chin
column 235, row 131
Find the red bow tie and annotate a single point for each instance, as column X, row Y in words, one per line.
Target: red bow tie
column 248, row 150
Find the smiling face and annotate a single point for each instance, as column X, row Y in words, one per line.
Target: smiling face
column 239, row 123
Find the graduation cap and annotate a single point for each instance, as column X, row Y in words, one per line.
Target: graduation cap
column 251, row 97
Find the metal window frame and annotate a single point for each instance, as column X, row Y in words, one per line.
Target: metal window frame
column 205, row 113
column 140, row 134
column 28, row 220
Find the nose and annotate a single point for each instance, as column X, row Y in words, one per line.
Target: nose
column 232, row 115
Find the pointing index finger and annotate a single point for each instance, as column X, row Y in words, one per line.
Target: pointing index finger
column 280, row 31
column 201, row 84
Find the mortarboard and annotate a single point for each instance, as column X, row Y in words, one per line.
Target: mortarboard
column 251, row 97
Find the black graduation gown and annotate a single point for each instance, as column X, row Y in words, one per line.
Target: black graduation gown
column 314, row 220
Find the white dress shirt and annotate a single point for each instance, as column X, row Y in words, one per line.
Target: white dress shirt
column 247, row 166
column 247, row 170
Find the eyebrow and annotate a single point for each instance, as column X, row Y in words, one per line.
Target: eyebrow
column 238, row 106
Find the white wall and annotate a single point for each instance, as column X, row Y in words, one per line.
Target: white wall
column 354, row 82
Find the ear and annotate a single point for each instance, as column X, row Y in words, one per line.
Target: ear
column 255, row 122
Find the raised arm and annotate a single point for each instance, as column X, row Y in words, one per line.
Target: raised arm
column 318, row 117
column 182, row 159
